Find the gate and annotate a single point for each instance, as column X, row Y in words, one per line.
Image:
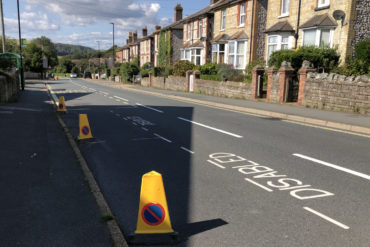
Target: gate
column 191, row 83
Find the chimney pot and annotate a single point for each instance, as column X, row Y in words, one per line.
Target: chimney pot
column 178, row 13
column 135, row 36
column 157, row 28
column 144, row 32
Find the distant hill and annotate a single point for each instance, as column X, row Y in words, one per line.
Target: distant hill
column 67, row 49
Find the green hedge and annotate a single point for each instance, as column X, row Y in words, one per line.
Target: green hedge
column 180, row 68
column 321, row 57
column 128, row 70
column 210, row 77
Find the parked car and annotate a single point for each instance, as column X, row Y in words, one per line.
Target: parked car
column 73, row 75
column 87, row 75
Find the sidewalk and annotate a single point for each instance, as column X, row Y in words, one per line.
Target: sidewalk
column 45, row 200
column 339, row 120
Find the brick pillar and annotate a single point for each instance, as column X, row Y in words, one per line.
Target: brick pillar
column 303, row 71
column 286, row 74
column 258, row 70
column 150, row 79
column 188, row 73
column 270, row 73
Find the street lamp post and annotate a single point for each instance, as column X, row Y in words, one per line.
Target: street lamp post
column 20, row 46
column 114, row 54
column 2, row 24
column 98, row 55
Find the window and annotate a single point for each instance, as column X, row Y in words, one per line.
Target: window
column 318, row 37
column 242, row 14
column 284, row 8
column 218, row 53
column 223, row 19
column 182, row 54
column 196, row 56
column 278, row 42
column 200, row 29
column 189, row 31
column 323, row 3
column 237, row 54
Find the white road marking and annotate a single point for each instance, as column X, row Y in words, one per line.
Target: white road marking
column 124, row 118
column 161, row 137
column 359, row 174
column 148, row 107
column 134, row 123
column 214, row 163
column 118, row 115
column 6, row 112
column 145, row 129
column 187, row 150
column 212, row 128
column 104, row 93
column 327, row 218
column 121, row 98
column 259, row 185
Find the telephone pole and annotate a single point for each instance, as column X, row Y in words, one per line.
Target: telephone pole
column 2, row 24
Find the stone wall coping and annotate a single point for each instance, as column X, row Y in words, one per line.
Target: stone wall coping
column 226, row 83
column 338, row 78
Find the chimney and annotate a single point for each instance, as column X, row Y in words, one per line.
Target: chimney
column 130, row 37
column 144, row 32
column 157, row 28
column 178, row 13
column 126, row 41
column 135, row 37
column 214, row 1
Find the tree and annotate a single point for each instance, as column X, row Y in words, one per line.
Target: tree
column 48, row 49
column 65, row 66
column 33, row 58
column 11, row 45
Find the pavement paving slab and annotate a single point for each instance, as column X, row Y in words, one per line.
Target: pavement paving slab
column 45, row 200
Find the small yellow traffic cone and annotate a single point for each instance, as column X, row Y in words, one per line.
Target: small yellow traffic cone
column 153, row 221
column 84, row 128
column 61, row 105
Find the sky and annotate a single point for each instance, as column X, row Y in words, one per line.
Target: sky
column 87, row 22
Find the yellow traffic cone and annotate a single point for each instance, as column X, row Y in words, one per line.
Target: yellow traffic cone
column 61, row 105
column 84, row 128
column 153, row 221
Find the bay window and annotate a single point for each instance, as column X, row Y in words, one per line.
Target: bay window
column 277, row 42
column 237, row 54
column 318, row 37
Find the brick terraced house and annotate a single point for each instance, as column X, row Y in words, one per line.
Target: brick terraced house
column 146, row 47
column 330, row 23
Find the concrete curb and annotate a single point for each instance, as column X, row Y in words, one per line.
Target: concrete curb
column 261, row 113
column 114, row 229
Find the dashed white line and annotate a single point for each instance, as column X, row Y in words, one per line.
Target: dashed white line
column 161, row 137
column 104, row 93
column 92, row 89
column 148, row 107
column 214, row 163
column 121, row 98
column 259, row 185
column 187, row 150
column 134, row 123
column 118, row 115
column 359, row 174
column 124, row 118
column 145, row 129
column 212, row 128
column 327, row 218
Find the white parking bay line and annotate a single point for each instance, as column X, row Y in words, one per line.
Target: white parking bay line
column 359, row 174
column 121, row 98
column 161, row 137
column 212, row 128
column 187, row 150
column 214, row 163
column 148, row 107
column 327, row 218
column 259, row 185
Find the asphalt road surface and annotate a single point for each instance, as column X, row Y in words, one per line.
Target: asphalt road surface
column 231, row 179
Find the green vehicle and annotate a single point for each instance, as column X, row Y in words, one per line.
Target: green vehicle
column 8, row 61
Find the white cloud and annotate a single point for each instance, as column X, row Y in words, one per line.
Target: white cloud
column 32, row 22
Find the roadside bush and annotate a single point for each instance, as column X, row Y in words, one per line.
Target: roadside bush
column 145, row 69
column 115, row 71
column 321, row 57
column 128, row 70
column 228, row 73
column 207, row 69
column 210, row 77
column 180, row 68
column 249, row 68
column 362, row 51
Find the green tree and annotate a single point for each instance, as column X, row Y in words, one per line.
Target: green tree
column 33, row 58
column 65, row 66
column 48, row 49
column 11, row 45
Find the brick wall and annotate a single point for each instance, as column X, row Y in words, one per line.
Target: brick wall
column 228, row 89
column 337, row 92
column 275, row 88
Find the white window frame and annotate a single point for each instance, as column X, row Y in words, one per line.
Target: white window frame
column 287, row 3
column 223, row 19
column 318, row 36
column 189, row 31
column 192, row 53
column 217, row 51
column 235, row 54
column 325, row 4
column 242, row 13
column 279, row 42
column 200, row 26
